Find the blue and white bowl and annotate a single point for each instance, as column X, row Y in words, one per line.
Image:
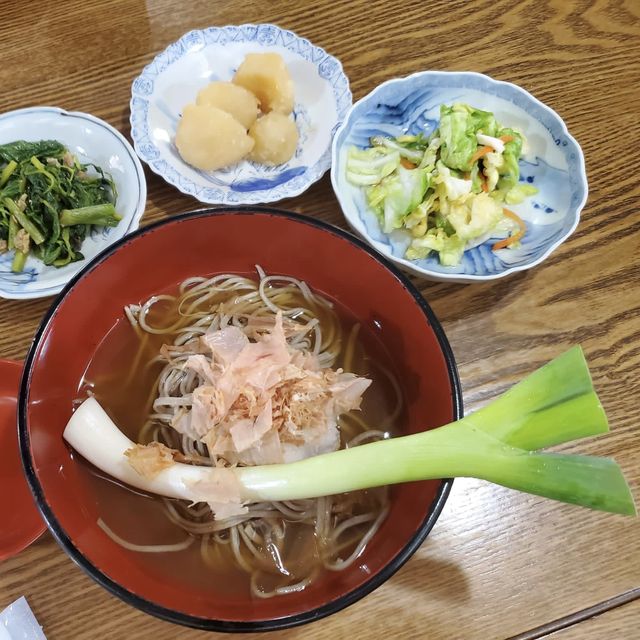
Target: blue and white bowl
column 173, row 79
column 91, row 140
column 553, row 163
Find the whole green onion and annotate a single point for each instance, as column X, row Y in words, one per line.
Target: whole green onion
column 500, row 443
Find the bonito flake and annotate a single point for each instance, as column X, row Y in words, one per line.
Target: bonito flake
column 264, row 402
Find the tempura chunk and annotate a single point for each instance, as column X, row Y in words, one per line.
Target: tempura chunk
column 233, row 99
column 276, row 138
column 267, row 77
column 209, row 138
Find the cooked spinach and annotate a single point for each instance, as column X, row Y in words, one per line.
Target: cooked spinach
column 49, row 201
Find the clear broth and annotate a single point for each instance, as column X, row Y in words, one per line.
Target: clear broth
column 123, row 382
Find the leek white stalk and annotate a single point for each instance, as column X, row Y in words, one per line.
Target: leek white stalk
column 499, row 443
column 93, row 434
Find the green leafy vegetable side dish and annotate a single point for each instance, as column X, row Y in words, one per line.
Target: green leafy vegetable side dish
column 49, row 201
column 449, row 189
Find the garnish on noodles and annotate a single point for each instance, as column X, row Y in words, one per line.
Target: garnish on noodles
column 246, row 372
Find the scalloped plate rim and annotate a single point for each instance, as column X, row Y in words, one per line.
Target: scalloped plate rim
column 358, row 226
column 314, row 173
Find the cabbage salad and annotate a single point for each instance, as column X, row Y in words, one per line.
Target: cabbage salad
column 448, row 190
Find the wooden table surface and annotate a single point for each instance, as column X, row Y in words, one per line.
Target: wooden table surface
column 498, row 564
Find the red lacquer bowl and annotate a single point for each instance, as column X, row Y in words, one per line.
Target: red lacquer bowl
column 221, row 241
column 21, row 522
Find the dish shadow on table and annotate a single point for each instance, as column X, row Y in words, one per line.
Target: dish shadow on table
column 463, row 301
column 435, row 578
column 125, row 125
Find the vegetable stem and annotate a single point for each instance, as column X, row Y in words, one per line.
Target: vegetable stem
column 454, row 450
column 13, row 229
column 24, row 221
column 103, row 215
column 19, row 260
column 41, row 169
column 7, row 172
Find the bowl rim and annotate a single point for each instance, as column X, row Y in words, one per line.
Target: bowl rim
column 141, row 196
column 460, row 277
column 313, row 174
column 182, row 618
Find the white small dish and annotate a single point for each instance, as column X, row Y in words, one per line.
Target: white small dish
column 173, row 79
column 91, row 140
column 554, row 163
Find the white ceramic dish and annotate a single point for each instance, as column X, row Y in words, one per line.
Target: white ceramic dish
column 174, row 77
column 554, row 164
column 91, row 140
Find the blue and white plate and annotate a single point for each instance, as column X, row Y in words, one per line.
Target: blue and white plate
column 91, row 140
column 173, row 79
column 553, row 163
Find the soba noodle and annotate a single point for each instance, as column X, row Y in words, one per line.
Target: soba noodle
column 334, row 529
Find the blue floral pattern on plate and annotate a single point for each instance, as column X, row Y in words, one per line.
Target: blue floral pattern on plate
column 174, row 78
column 553, row 163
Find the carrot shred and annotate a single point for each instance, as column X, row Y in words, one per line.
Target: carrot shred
column 502, row 244
column 485, row 185
column 480, row 153
column 407, row 164
column 507, row 138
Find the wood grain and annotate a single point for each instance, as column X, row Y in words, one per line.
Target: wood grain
column 621, row 622
column 571, row 622
column 498, row 563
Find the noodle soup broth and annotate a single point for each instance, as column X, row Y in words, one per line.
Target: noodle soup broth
column 277, row 549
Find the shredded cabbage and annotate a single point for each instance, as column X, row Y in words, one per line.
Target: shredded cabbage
column 398, row 195
column 370, row 166
column 446, row 190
